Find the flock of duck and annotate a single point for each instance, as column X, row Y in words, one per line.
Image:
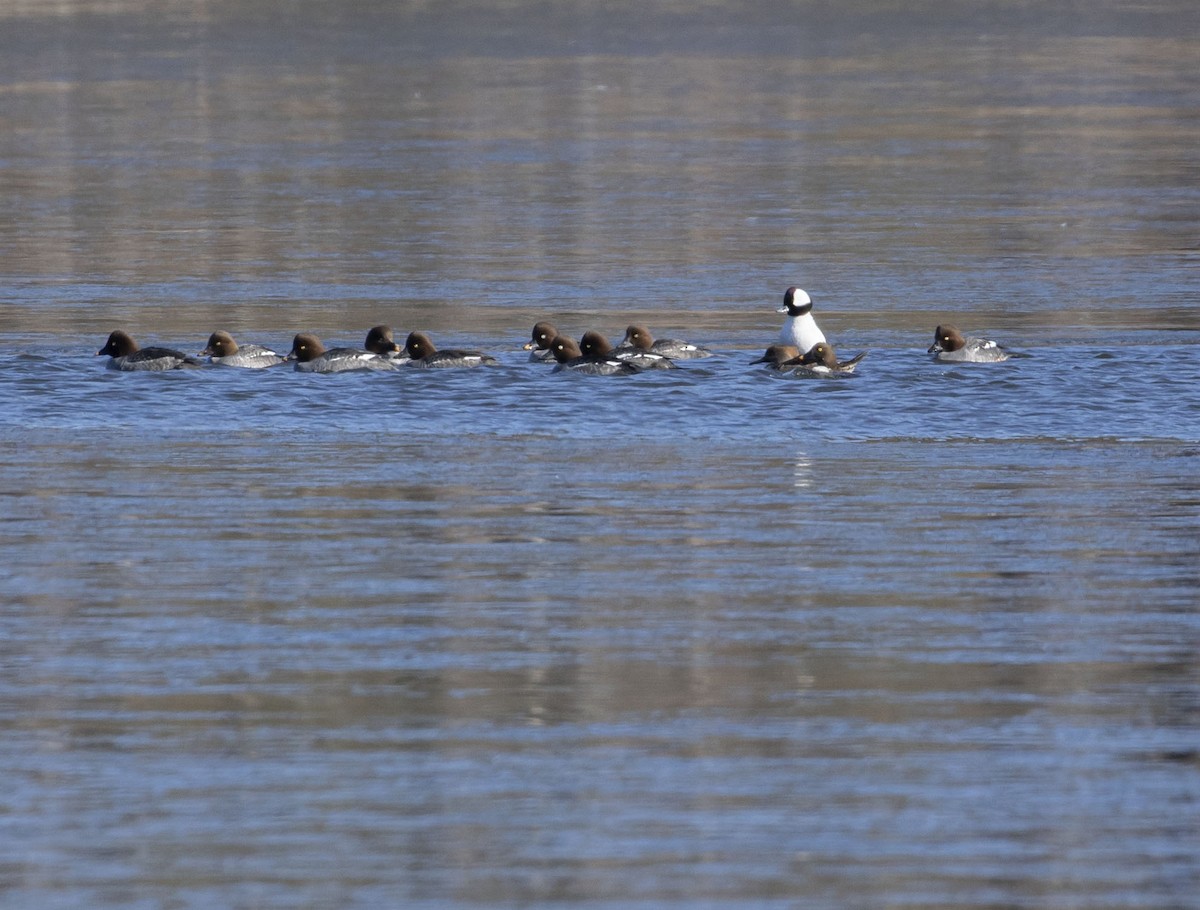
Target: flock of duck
column 802, row 350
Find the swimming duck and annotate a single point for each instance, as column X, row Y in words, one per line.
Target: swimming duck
column 570, row 357
column 595, row 345
column 127, row 356
column 311, row 356
column 951, row 346
column 544, row 334
column 223, row 351
column 638, row 337
column 380, row 341
column 822, row 360
column 424, row 354
column 777, row 355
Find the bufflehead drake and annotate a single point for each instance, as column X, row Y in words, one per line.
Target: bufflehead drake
column 544, row 334
column 569, row 357
column 127, row 356
column 311, row 357
column 799, row 329
column 381, row 341
column 596, row 346
column 423, row 354
column 638, row 337
column 223, row 351
column 950, row 346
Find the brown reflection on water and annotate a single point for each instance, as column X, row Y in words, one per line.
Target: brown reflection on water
column 188, row 161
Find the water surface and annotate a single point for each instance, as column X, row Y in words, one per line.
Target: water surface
column 925, row 637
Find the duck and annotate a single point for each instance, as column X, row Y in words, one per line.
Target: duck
column 821, row 360
column 422, row 353
column 381, row 341
column 638, row 337
column 223, row 351
column 951, row 346
column 126, row 355
column 800, row 328
column 538, row 345
column 596, row 346
column 780, row 357
column 570, row 357
column 311, row 356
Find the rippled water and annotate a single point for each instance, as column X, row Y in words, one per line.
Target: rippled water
column 924, row 637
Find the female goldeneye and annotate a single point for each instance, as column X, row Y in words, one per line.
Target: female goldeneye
column 569, row 357
column 311, row 357
column 381, row 341
column 949, row 346
column 544, row 334
column 638, row 337
column 596, row 346
column 799, row 329
column 780, row 356
column 127, row 356
column 223, row 351
column 423, row 354
column 821, row 360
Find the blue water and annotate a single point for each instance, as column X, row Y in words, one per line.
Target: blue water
column 924, row 635
column 1116, row 392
